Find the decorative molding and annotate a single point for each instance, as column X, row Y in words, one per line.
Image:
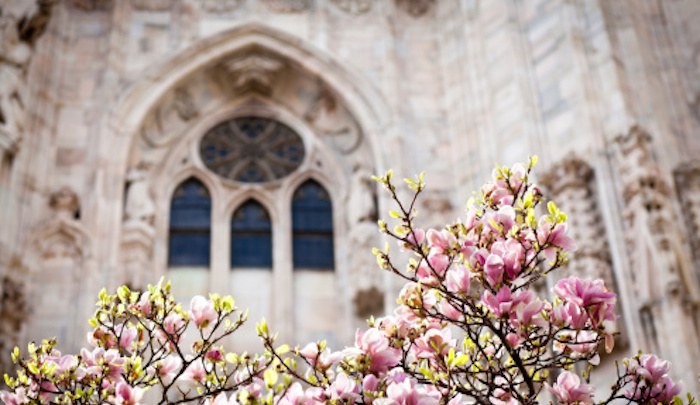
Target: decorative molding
column 687, row 179
column 288, row 6
column 20, row 27
column 252, row 72
column 355, row 7
column 571, row 180
column 156, row 5
column 91, row 5
column 415, row 8
column 220, row 6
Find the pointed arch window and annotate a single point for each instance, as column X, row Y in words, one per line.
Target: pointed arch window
column 251, row 236
column 312, row 227
column 190, row 225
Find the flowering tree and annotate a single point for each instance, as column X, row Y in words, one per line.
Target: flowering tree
column 469, row 328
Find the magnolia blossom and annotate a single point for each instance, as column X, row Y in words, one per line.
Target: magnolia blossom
column 195, row 372
column 554, row 235
column 407, row 392
column 653, row 382
column 598, row 301
column 343, row 388
column 570, row 390
column 202, row 311
column 434, row 342
column 375, row 345
column 127, row 395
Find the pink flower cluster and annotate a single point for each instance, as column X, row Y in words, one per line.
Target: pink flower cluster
column 649, row 381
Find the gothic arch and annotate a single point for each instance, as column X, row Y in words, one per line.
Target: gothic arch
column 362, row 99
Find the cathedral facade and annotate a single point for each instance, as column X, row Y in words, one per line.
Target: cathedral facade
column 227, row 145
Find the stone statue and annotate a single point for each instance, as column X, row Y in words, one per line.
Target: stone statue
column 21, row 23
column 139, row 204
column 362, row 201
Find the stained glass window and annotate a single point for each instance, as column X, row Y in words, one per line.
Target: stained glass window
column 190, row 223
column 252, row 149
column 251, row 236
column 312, row 226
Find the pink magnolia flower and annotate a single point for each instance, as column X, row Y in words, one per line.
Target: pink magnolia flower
column 571, row 315
column 458, row 279
column 653, row 384
column 295, row 395
column 195, row 372
column 375, row 345
column 168, row 367
column 408, row 392
column 569, row 390
column 320, row 358
column 222, row 400
column 343, row 389
column 493, row 269
column 127, row 395
column 512, row 254
column 144, row 304
column 592, row 295
column 413, row 239
column 202, row 311
column 554, row 236
column 18, row 397
column 62, row 363
column 500, row 304
column 440, row 242
column 434, row 342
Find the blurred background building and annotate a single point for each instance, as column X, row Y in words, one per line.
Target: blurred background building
column 227, row 144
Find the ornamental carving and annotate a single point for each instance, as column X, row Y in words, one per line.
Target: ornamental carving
column 13, row 313
column 152, row 5
column 661, row 269
column 687, row 178
column 220, row 6
column 91, row 5
column 415, row 8
column 353, row 6
column 572, row 182
column 251, row 72
column 21, row 24
column 288, row 6
column 252, row 150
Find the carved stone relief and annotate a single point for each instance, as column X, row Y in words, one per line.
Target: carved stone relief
column 251, row 72
column 353, row 6
column 415, row 8
column 220, row 6
column 288, row 6
column 661, row 275
column 572, row 182
column 687, row 178
column 91, row 5
column 178, row 107
column 13, row 313
column 139, row 205
column 58, row 256
column 333, row 122
column 21, row 24
column 152, row 5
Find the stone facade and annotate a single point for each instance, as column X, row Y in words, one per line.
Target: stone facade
column 103, row 104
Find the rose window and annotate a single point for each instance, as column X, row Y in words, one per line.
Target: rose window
column 252, row 150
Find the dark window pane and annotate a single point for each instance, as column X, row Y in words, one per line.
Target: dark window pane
column 188, row 249
column 190, row 220
column 251, row 236
column 312, row 225
column 313, row 251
